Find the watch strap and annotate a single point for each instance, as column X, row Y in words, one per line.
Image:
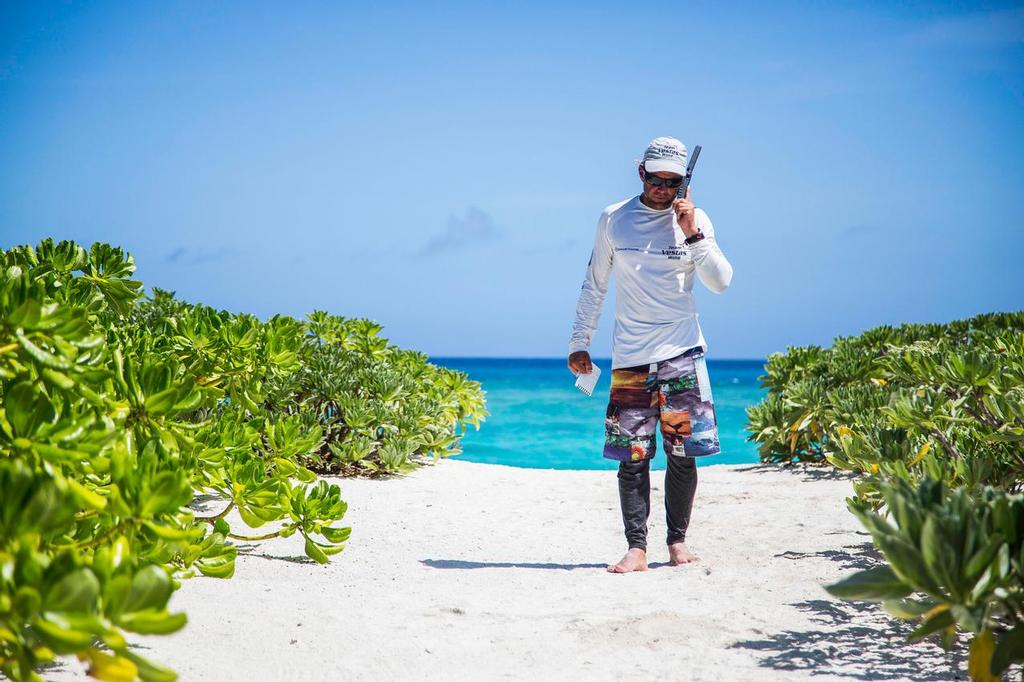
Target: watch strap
column 694, row 239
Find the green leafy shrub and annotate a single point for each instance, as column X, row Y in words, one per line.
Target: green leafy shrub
column 813, row 392
column 116, row 411
column 932, row 418
column 963, row 552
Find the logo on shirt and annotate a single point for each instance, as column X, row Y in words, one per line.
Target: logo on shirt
column 670, row 252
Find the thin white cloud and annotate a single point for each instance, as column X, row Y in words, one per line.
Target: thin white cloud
column 476, row 227
column 184, row 256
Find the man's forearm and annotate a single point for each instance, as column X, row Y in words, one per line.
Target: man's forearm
column 713, row 267
column 593, row 290
column 588, row 312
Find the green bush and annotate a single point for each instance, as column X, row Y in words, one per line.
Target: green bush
column 116, row 411
column 931, row 417
column 963, row 552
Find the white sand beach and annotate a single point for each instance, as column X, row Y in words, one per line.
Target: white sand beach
column 465, row 571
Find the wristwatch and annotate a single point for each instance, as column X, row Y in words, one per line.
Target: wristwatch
column 694, row 239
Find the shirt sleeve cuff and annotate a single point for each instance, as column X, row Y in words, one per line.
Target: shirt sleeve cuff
column 700, row 246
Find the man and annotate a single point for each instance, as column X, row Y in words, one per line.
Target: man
column 655, row 244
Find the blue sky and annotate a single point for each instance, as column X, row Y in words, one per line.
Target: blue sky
column 441, row 169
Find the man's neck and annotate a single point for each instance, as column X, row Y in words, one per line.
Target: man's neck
column 656, row 206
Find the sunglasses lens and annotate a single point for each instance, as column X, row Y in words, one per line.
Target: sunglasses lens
column 663, row 182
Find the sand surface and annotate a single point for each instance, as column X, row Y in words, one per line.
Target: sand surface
column 465, row 571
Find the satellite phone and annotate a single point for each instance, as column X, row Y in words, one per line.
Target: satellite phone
column 681, row 194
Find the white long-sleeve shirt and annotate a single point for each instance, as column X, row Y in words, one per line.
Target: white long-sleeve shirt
column 655, row 312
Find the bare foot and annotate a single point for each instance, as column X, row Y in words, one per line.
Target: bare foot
column 635, row 560
column 678, row 554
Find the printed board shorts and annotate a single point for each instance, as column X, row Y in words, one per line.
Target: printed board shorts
column 677, row 392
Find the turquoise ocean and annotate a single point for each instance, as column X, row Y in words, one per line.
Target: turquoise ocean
column 539, row 419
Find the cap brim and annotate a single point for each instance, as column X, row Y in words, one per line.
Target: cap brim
column 659, row 166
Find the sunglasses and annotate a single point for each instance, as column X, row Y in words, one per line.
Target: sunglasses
column 655, row 181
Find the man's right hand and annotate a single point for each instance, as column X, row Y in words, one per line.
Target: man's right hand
column 579, row 362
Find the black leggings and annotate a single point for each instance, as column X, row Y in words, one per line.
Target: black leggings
column 635, row 497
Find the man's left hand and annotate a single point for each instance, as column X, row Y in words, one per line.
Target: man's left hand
column 684, row 214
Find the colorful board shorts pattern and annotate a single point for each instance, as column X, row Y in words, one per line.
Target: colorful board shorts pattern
column 677, row 392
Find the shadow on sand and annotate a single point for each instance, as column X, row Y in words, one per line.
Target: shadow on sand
column 454, row 563
column 855, row 639
column 250, row 550
column 806, row 472
column 851, row 557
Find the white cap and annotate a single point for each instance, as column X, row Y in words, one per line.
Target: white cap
column 665, row 154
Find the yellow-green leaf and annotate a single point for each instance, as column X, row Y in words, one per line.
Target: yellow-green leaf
column 921, row 453
column 110, row 668
column 979, row 662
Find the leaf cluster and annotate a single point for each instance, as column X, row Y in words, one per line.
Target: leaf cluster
column 931, row 417
column 955, row 561
column 119, row 413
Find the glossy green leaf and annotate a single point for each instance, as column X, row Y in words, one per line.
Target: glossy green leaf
column 150, row 589
column 150, row 671
column 58, row 636
column 932, row 624
column 152, row 622
column 314, row 552
column 77, row 591
column 874, row 584
column 336, row 534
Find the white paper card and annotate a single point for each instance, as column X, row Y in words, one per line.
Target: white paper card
column 587, row 382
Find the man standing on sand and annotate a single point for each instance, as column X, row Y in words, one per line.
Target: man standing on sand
column 655, row 244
